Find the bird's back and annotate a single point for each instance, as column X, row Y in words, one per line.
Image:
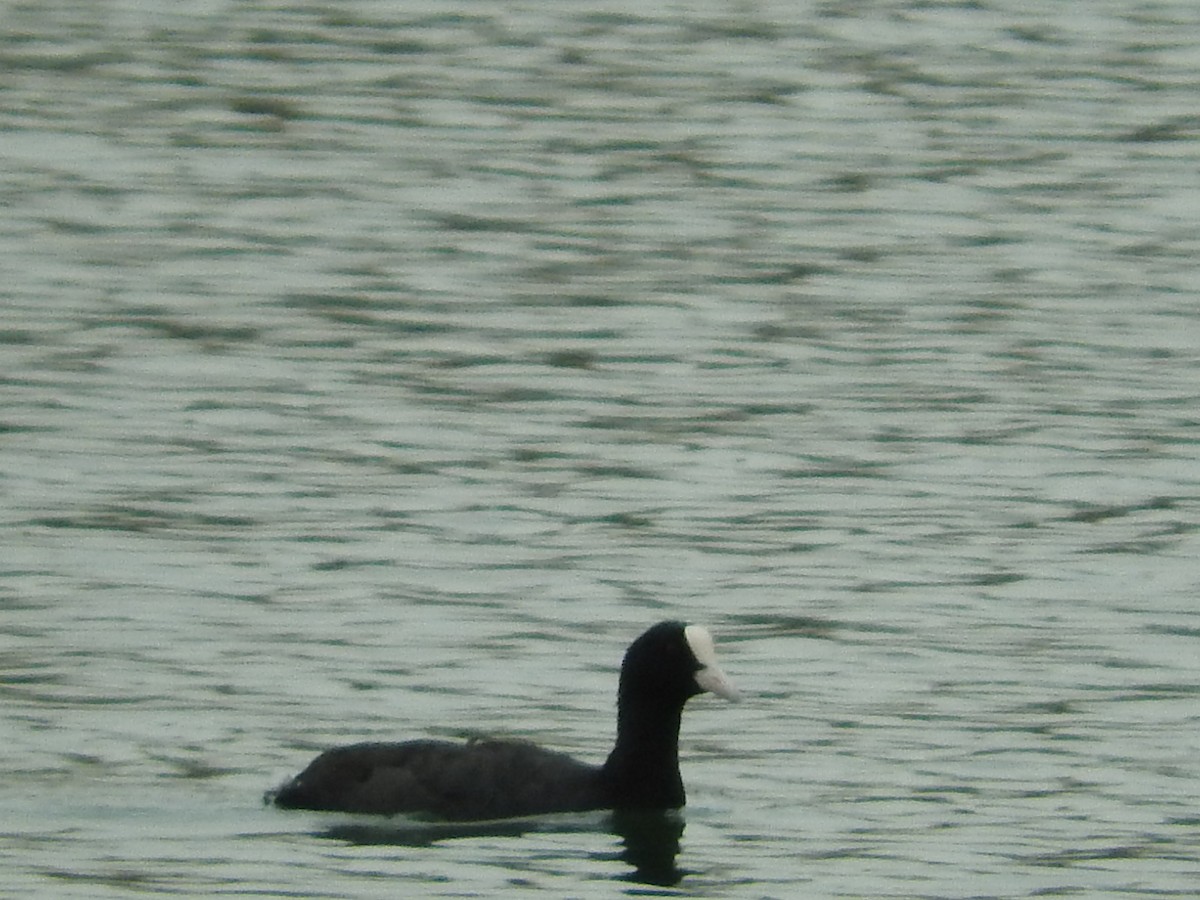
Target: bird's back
column 483, row 779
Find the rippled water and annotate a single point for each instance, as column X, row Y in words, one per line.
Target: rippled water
column 379, row 370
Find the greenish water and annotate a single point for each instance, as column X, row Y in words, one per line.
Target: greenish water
column 376, row 370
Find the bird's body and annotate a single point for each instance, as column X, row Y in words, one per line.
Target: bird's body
column 491, row 779
column 482, row 779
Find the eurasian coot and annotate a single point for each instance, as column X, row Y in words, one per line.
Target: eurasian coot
column 493, row 779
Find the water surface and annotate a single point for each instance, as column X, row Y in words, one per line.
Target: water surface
column 378, row 370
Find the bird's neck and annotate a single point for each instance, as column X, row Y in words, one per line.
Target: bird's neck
column 643, row 768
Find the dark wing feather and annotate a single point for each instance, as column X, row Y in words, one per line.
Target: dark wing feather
column 479, row 780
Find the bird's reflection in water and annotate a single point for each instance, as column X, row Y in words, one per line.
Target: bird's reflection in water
column 649, row 838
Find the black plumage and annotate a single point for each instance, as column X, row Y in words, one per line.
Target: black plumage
column 491, row 779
